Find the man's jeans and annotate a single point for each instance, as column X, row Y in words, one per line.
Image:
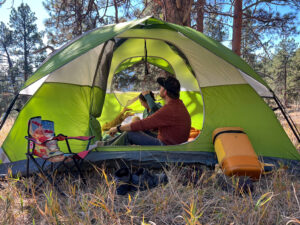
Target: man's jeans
column 135, row 138
column 141, row 138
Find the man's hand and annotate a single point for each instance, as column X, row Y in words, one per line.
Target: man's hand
column 145, row 92
column 112, row 131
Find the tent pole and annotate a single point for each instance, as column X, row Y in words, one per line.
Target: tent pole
column 287, row 118
column 8, row 111
column 146, row 56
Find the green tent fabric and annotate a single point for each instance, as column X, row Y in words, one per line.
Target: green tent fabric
column 74, row 88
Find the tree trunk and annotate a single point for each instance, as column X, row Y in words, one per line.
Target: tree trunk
column 26, row 67
column 116, row 11
column 10, row 65
column 178, row 11
column 200, row 14
column 237, row 27
column 10, row 71
column 284, row 82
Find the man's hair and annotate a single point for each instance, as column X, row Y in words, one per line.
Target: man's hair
column 172, row 85
column 171, row 95
column 142, row 97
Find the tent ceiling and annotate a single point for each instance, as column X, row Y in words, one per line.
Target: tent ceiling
column 79, row 46
column 210, row 69
column 161, row 63
column 155, row 48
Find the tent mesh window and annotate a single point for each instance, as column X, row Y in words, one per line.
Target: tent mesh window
column 135, row 78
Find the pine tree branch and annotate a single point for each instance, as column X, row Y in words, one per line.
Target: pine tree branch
column 266, row 75
column 100, row 18
column 90, row 7
column 43, row 49
column 260, row 42
column 146, row 5
column 285, row 3
column 218, row 13
column 255, row 4
column 223, row 23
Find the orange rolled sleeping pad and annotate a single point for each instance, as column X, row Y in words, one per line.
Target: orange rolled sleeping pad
column 235, row 152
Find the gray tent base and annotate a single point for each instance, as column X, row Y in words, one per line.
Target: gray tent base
column 149, row 159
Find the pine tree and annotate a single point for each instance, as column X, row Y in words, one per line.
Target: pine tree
column 177, row 11
column 69, row 19
column 294, row 91
column 261, row 15
column 263, row 18
column 27, row 39
column 6, row 43
column 281, row 70
column 214, row 24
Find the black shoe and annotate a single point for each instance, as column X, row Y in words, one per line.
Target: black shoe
column 123, row 180
column 143, row 179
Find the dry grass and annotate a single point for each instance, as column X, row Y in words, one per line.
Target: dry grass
column 296, row 119
column 275, row 200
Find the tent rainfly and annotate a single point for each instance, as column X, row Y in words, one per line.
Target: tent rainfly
column 73, row 87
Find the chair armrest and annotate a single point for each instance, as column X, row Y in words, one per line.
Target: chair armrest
column 32, row 139
column 62, row 137
column 82, row 138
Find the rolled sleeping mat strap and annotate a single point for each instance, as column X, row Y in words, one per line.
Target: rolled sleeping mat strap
column 227, row 132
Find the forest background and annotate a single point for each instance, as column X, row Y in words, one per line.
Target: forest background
column 263, row 32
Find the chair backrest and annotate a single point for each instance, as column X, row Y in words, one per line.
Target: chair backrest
column 42, row 133
column 35, row 127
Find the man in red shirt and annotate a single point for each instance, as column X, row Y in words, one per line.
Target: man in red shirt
column 172, row 121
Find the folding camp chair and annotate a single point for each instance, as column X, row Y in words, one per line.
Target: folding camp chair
column 42, row 143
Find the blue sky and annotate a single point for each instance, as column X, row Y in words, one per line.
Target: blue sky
column 41, row 14
column 36, row 6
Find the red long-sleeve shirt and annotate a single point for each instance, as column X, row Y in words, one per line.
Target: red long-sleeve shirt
column 173, row 122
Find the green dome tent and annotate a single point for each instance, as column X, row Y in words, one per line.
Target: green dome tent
column 73, row 87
